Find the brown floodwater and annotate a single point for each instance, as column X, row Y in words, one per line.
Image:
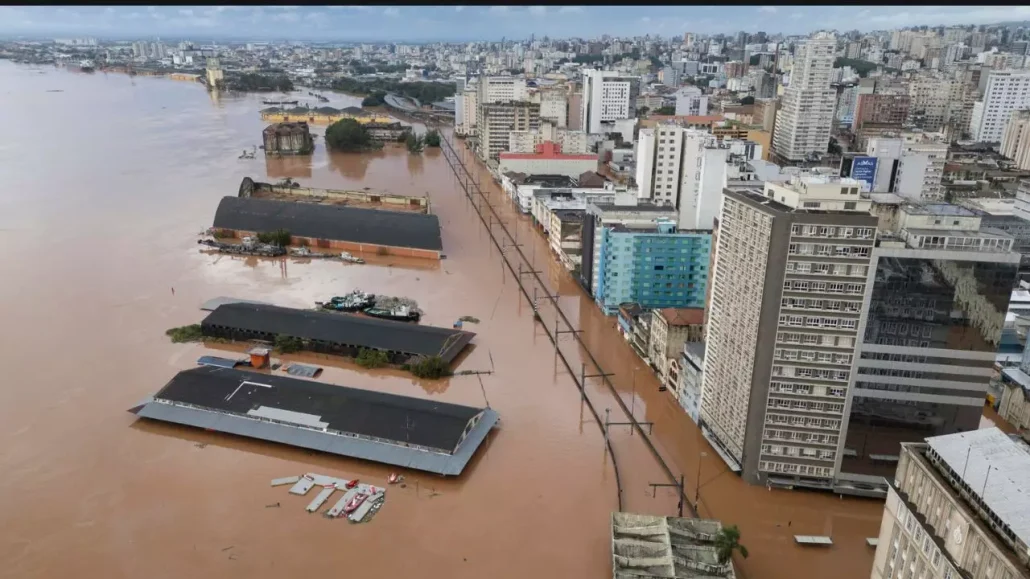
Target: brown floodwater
column 104, row 189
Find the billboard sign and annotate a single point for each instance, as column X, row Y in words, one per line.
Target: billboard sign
column 864, row 169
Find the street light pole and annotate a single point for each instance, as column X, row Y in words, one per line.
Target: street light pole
column 697, row 485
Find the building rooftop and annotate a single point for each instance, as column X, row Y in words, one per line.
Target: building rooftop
column 399, row 430
column 547, row 151
column 569, row 214
column 652, row 547
column 991, row 206
column 996, row 469
column 683, row 316
column 938, row 209
column 292, row 127
column 334, row 222
column 336, row 328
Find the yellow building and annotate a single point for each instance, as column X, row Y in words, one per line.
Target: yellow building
column 763, row 138
column 320, row 115
column 184, row 76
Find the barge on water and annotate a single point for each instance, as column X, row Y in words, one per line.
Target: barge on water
column 331, row 333
column 397, row 430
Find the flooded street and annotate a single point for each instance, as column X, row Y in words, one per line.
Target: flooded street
column 105, row 187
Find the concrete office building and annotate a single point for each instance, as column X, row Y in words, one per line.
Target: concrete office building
column 921, row 167
column 805, row 119
column 501, row 89
column 607, row 97
column 957, row 508
column 787, row 287
column 1007, row 91
column 600, row 215
column 935, row 305
column 496, row 121
column 469, row 111
column 1015, row 143
column 691, row 102
column 554, row 107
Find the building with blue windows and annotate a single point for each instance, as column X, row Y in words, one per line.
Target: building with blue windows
column 653, row 264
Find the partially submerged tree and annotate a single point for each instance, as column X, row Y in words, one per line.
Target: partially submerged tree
column 347, row 135
column 432, row 138
column 726, row 542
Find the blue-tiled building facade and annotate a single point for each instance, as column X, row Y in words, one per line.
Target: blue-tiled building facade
column 656, row 266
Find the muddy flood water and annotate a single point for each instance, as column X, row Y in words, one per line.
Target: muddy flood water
column 103, row 190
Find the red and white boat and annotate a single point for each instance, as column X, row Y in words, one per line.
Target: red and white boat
column 355, row 503
column 351, row 484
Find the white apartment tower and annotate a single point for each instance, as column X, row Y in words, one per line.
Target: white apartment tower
column 786, row 299
column 607, row 97
column 691, row 102
column 1015, row 143
column 685, row 168
column 1007, row 91
column 805, row 119
column 502, row 89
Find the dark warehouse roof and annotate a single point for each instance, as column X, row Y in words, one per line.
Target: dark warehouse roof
column 338, row 328
column 333, row 222
column 405, row 419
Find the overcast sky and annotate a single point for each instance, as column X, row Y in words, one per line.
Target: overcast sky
column 429, row 23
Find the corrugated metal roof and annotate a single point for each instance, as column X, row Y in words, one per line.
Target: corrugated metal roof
column 443, row 464
column 337, row 328
column 403, row 419
column 996, row 468
column 333, row 222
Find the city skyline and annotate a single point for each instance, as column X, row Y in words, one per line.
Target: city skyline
column 460, row 23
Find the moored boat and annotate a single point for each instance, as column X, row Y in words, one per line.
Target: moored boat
column 397, row 314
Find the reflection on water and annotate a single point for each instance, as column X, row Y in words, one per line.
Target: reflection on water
column 288, row 166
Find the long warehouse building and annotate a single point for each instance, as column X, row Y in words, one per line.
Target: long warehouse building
column 402, row 431
column 399, row 233
column 335, row 333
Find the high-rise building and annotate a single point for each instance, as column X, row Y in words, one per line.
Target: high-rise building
column 691, row 102
column 501, row 89
column 921, row 167
column 469, row 105
column 607, row 97
column 686, row 168
column 1015, row 143
column 880, row 111
column 1007, row 91
column 932, row 318
column 496, row 121
column 554, row 107
column 805, row 119
column 930, row 99
column 786, row 298
column 956, row 507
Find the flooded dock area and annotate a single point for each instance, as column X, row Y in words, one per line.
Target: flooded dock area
column 118, row 225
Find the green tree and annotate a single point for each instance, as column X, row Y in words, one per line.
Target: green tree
column 432, row 367
column 376, row 99
column 414, row 143
column 288, row 344
column 280, row 237
column 432, row 138
column 642, row 111
column 748, row 100
column 665, row 111
column 370, row 358
column 728, row 541
column 347, row 135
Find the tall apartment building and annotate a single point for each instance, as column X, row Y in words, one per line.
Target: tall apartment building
column 1007, row 91
column 921, row 167
column 1015, row 143
column 554, row 107
column 880, row 111
column 930, row 99
column 691, row 102
column 790, row 273
column 501, row 89
column 805, row 119
column 496, row 121
column 956, row 508
column 607, row 97
column 935, row 306
column 601, row 215
column 687, row 168
column 469, row 106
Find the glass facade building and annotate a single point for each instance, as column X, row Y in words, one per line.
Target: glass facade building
column 932, row 326
column 656, row 266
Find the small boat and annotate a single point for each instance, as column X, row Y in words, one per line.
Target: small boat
column 351, row 484
column 275, row 103
column 355, row 301
column 397, row 314
column 344, row 256
column 355, row 503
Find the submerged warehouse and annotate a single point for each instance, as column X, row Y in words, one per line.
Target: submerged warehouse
column 335, row 333
column 397, row 430
column 333, row 226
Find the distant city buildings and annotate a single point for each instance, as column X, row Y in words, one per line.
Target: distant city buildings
column 805, row 119
column 607, row 97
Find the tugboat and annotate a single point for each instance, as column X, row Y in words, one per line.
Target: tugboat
column 397, row 314
column 355, row 301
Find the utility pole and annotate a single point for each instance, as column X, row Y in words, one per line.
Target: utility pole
column 678, row 486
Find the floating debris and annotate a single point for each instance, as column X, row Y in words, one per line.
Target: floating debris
column 469, row 319
column 303, row 370
column 285, row 481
